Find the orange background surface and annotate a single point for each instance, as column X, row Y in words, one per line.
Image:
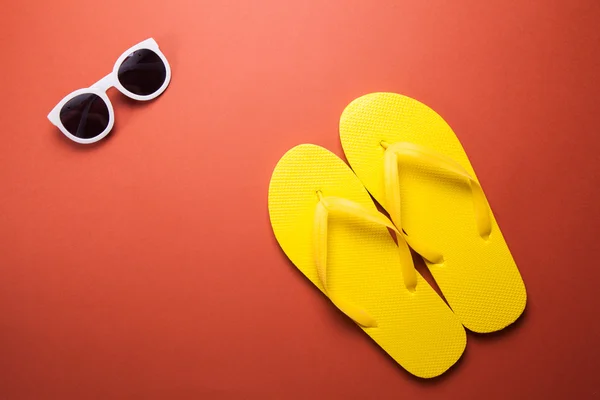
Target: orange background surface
column 145, row 266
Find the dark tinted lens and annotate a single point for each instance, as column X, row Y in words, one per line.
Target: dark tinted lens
column 85, row 116
column 142, row 72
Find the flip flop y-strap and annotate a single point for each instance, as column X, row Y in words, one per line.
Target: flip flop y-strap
column 417, row 155
column 338, row 205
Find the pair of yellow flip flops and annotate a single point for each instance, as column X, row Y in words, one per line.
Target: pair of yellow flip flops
column 412, row 163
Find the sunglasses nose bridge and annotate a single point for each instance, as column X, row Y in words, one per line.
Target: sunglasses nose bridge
column 105, row 83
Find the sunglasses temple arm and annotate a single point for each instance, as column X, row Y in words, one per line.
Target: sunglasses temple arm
column 105, row 83
column 84, row 117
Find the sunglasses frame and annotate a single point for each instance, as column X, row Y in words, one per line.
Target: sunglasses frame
column 101, row 87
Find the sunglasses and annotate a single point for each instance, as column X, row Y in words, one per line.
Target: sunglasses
column 86, row 115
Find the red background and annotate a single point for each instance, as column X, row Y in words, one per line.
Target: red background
column 145, row 266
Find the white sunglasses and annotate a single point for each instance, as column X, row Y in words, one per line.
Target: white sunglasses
column 86, row 115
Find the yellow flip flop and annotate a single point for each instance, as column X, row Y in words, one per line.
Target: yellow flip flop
column 413, row 164
column 328, row 226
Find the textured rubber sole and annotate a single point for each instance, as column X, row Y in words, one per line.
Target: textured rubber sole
column 479, row 278
column 417, row 329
